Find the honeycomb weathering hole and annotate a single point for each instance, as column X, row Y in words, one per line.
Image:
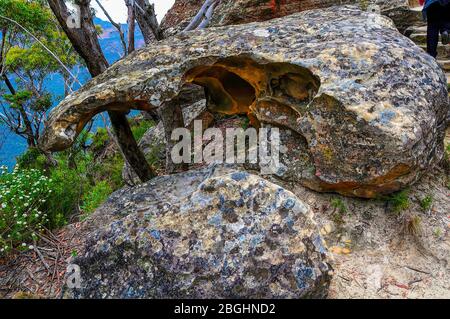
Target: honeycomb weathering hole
column 240, row 85
column 227, row 92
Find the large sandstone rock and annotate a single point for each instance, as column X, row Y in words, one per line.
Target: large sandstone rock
column 204, row 234
column 230, row 12
column 370, row 106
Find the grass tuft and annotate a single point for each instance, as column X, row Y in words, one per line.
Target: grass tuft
column 340, row 210
column 399, row 201
column 426, row 203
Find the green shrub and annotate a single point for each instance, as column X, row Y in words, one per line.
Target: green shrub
column 339, row 204
column 68, row 186
column 37, row 196
column 426, row 203
column 154, row 157
column 23, row 196
column 31, row 159
column 340, row 210
column 363, row 4
column 99, row 139
column 399, row 201
column 110, row 169
column 438, row 232
column 95, row 197
column 140, row 128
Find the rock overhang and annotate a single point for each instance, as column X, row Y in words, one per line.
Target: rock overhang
column 363, row 82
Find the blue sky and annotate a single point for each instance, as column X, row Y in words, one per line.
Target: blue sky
column 118, row 11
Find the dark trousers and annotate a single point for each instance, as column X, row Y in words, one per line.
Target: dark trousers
column 438, row 17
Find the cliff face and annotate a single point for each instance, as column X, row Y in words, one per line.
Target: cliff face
column 230, row 12
column 234, row 12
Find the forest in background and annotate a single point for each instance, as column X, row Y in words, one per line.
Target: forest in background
column 39, row 66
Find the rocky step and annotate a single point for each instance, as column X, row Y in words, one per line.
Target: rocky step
column 445, row 64
column 418, row 29
column 443, row 51
column 417, row 33
column 415, row 6
column 419, row 38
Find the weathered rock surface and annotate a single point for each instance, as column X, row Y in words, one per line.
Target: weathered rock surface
column 230, row 12
column 204, row 234
column 370, row 105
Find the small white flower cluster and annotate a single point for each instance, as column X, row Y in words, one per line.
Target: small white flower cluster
column 23, row 194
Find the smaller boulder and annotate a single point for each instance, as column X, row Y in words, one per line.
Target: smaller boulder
column 230, row 235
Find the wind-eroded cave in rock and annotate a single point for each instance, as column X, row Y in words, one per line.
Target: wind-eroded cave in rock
column 240, row 85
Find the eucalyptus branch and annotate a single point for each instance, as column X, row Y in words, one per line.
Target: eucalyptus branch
column 199, row 20
column 208, row 16
column 42, row 44
column 116, row 25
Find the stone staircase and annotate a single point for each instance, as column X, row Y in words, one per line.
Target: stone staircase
column 418, row 33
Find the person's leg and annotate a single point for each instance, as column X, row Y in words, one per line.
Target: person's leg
column 445, row 25
column 445, row 36
column 446, row 14
column 434, row 26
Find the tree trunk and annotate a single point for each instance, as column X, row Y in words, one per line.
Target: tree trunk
column 125, row 138
column 31, row 140
column 147, row 20
column 83, row 39
column 85, row 42
column 131, row 26
column 9, row 84
column 172, row 118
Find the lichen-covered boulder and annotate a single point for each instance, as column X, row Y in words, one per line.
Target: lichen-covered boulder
column 208, row 235
column 369, row 105
column 230, row 12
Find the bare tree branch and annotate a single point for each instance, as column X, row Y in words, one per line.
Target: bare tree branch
column 147, row 20
column 116, row 25
column 201, row 15
column 2, row 136
column 208, row 16
column 131, row 25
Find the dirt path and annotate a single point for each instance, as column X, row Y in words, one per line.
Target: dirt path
column 40, row 273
